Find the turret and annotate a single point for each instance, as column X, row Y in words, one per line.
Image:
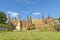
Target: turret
column 29, row 21
column 49, row 19
column 18, row 27
column 14, row 21
column 8, row 18
column 9, row 23
column 43, row 19
column 19, row 18
column 49, row 16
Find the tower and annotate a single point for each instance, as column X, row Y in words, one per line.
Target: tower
column 42, row 16
column 49, row 16
column 43, row 19
column 8, row 19
column 49, row 19
column 14, row 23
column 23, row 25
column 18, row 26
column 29, row 21
column 9, row 24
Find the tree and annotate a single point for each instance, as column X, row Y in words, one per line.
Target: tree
column 32, row 26
column 3, row 27
column 57, row 27
column 59, row 20
column 3, row 18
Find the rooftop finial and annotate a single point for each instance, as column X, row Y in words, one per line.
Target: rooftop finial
column 19, row 17
column 8, row 17
column 42, row 15
column 49, row 14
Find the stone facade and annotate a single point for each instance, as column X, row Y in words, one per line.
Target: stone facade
column 38, row 23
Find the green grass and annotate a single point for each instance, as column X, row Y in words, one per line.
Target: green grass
column 30, row 35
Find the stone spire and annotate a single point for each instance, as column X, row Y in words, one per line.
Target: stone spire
column 43, row 19
column 49, row 16
column 19, row 18
column 29, row 20
column 8, row 18
column 14, row 21
column 49, row 19
column 42, row 16
column 18, row 27
column 9, row 23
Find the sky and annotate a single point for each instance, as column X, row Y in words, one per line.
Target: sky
column 25, row 7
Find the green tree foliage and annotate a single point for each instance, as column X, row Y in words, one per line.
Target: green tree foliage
column 57, row 27
column 3, row 17
column 5, row 26
column 32, row 26
column 59, row 19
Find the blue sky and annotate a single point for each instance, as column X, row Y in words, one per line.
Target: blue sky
column 26, row 7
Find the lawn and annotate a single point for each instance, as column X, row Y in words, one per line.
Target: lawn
column 30, row 35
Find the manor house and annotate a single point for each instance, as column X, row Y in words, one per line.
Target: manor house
column 37, row 24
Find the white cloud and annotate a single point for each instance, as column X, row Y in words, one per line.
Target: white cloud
column 36, row 13
column 26, row 1
column 17, row 0
column 13, row 14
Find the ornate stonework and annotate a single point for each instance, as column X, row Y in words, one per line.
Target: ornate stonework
column 38, row 23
